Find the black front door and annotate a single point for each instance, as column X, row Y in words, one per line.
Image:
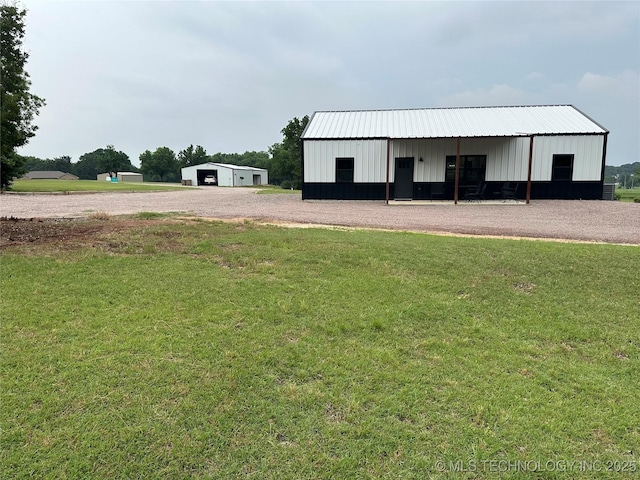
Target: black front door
column 403, row 184
column 561, row 176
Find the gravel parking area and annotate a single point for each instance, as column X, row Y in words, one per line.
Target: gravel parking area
column 592, row 221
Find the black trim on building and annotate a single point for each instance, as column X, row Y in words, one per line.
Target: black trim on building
column 566, row 190
column 343, row 191
column 302, row 161
column 591, row 190
column 604, row 156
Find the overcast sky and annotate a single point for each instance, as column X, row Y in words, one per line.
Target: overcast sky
column 230, row 75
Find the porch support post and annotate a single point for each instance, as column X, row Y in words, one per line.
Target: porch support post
column 387, row 186
column 457, row 181
column 529, row 170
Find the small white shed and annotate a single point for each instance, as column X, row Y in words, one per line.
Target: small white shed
column 122, row 177
column 224, row 175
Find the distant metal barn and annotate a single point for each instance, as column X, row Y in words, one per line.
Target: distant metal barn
column 549, row 151
column 224, row 175
column 122, row 177
column 49, row 175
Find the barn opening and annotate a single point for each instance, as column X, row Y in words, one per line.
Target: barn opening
column 207, row 177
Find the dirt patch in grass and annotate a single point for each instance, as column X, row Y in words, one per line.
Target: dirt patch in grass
column 99, row 230
column 72, row 232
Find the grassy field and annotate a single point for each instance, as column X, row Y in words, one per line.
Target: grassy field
column 628, row 194
column 214, row 350
column 275, row 190
column 43, row 186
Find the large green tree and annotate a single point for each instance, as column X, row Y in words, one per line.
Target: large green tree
column 17, row 104
column 103, row 160
column 34, row 163
column 62, row 164
column 160, row 166
column 232, row 158
column 192, row 156
column 87, row 167
column 248, row 159
column 256, row 159
column 286, row 157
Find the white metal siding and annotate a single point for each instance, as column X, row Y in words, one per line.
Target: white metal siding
column 228, row 175
column 225, row 175
column 586, row 149
column 244, row 177
column 264, row 176
column 507, row 158
column 190, row 173
column 432, row 152
column 369, row 160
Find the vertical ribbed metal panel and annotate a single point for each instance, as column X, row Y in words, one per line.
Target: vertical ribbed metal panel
column 225, row 176
column 586, row 149
column 541, row 167
column 369, row 156
column 507, row 158
column 589, row 151
column 432, row 166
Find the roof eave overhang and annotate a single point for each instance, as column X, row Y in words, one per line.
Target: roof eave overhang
column 514, row 135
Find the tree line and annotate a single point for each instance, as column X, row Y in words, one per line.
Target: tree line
column 163, row 165
column 622, row 174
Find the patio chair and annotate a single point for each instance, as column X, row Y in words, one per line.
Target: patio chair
column 508, row 191
column 475, row 192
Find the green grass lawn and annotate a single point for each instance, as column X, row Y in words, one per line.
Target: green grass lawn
column 276, row 189
column 43, row 186
column 213, row 350
column 628, row 194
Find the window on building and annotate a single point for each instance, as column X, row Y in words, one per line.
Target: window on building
column 472, row 169
column 562, row 170
column 344, row 170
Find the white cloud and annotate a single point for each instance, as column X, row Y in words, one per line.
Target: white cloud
column 625, row 84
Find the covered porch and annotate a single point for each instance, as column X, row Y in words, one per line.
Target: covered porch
column 457, row 169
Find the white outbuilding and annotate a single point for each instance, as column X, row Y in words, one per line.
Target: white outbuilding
column 224, row 175
column 122, row 177
column 545, row 151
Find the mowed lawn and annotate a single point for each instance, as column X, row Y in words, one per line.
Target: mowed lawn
column 43, row 186
column 191, row 349
column 628, row 194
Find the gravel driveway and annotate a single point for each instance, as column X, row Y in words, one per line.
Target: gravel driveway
column 597, row 221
